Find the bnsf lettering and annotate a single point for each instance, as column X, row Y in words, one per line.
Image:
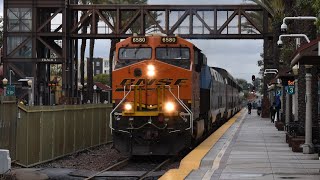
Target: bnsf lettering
column 180, row 81
column 127, row 82
column 164, row 82
column 157, row 82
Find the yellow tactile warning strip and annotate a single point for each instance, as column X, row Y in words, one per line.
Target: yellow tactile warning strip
column 193, row 159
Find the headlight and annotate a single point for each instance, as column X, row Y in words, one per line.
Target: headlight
column 169, row 107
column 151, row 69
column 128, row 106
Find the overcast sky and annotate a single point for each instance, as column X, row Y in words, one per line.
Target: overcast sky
column 239, row 57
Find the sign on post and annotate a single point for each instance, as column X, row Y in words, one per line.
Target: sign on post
column 290, row 90
column 278, row 93
column 10, row 91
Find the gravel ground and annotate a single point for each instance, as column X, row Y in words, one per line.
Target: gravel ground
column 94, row 159
column 100, row 158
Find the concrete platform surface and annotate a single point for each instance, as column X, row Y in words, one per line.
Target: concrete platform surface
column 252, row 148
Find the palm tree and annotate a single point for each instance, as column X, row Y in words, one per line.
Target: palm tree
column 276, row 9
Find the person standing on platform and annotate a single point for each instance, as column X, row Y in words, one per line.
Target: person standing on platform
column 259, row 107
column 273, row 111
column 249, row 105
column 278, row 107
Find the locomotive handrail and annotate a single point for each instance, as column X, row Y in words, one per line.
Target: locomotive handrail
column 147, row 124
column 185, row 108
column 110, row 123
column 177, row 99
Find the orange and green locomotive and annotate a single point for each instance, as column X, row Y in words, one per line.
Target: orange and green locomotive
column 161, row 93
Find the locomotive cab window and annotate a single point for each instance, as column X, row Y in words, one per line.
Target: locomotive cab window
column 130, row 55
column 176, row 56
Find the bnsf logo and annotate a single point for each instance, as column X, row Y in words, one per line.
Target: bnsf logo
column 149, row 82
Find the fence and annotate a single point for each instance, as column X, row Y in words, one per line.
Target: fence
column 8, row 120
column 44, row 133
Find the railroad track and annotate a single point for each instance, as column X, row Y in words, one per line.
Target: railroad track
column 115, row 171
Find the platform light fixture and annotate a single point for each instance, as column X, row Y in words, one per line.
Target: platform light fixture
column 284, row 26
column 270, row 71
column 5, row 81
column 280, row 42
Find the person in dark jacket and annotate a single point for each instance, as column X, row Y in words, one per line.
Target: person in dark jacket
column 278, row 107
column 273, row 111
column 249, row 107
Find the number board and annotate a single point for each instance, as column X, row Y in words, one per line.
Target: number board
column 169, row 40
column 290, row 89
column 139, row 40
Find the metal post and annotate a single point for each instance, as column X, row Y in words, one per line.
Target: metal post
column 94, row 97
column 40, row 94
column 295, row 95
column 81, row 96
column 30, row 96
column 287, row 108
column 308, row 146
column 4, row 90
column 94, row 94
column 296, row 101
column 10, row 78
column 109, row 97
column 282, row 100
column 32, row 90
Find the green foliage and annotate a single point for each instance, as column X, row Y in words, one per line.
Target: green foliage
column 56, row 70
column 1, row 31
column 287, row 52
column 303, row 4
column 274, row 7
column 242, row 82
column 316, row 8
column 103, row 78
column 303, row 7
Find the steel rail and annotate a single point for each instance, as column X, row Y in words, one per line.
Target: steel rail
column 113, row 167
column 145, row 175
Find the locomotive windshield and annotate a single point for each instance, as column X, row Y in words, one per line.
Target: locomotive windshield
column 176, row 56
column 130, row 55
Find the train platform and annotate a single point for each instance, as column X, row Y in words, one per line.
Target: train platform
column 246, row 147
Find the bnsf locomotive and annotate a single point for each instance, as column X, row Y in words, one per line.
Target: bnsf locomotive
column 165, row 96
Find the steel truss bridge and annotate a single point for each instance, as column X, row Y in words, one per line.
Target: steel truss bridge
column 39, row 33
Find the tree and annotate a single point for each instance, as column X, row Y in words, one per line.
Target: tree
column 274, row 7
column 102, row 78
column 316, row 8
column 1, row 31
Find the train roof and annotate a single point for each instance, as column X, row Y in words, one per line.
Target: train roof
column 228, row 76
